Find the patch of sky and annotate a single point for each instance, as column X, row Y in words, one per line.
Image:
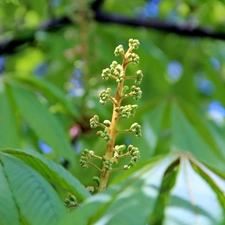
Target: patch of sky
column 151, row 8
column 205, row 86
column 2, row 63
column 215, row 63
column 174, row 71
column 216, row 112
column 44, row 147
column 41, row 70
column 75, row 85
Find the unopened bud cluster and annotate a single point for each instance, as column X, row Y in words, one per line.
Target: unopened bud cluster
column 118, row 150
column 136, row 92
column 109, row 163
column 108, row 128
column 94, row 121
column 104, row 134
column 85, row 158
column 127, row 111
column 136, row 128
column 138, row 77
column 119, row 50
column 135, row 153
column 71, row 201
column 134, row 44
column 114, row 71
column 104, row 96
column 134, row 58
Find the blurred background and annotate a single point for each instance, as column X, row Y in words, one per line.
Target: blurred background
column 52, row 53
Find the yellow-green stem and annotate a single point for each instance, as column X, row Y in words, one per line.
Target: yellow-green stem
column 104, row 176
column 110, row 145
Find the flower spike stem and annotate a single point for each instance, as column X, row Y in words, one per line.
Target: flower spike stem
column 109, row 133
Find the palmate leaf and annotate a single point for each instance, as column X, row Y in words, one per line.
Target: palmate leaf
column 8, row 208
column 150, row 130
column 132, row 197
column 179, row 128
column 193, row 137
column 37, row 201
column 43, row 123
column 193, row 198
column 51, row 171
column 26, row 194
column 8, row 132
column 127, row 202
column 51, row 90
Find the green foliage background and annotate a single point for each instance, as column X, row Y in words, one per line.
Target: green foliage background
column 180, row 177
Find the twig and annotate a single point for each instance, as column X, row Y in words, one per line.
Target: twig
column 92, row 164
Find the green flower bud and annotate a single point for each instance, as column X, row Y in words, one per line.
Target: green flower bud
column 134, row 58
column 139, row 76
column 107, row 123
column 134, row 43
column 93, row 121
column 120, row 148
column 125, row 166
column 119, row 50
column 105, row 74
column 127, row 111
column 114, row 64
column 96, row 179
column 136, row 92
column 130, row 148
column 104, row 96
column 136, row 153
column 83, row 164
column 135, row 158
column 136, row 128
column 121, row 77
column 86, row 151
column 67, row 201
column 104, row 134
column 84, row 158
column 72, row 198
column 130, row 164
column 91, row 152
column 91, row 189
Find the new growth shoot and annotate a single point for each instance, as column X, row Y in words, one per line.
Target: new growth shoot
column 109, row 128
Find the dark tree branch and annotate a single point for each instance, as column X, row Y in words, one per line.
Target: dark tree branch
column 96, row 5
column 55, row 24
column 184, row 30
column 9, row 46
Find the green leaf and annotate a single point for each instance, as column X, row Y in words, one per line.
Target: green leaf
column 151, row 125
column 43, row 123
column 135, row 196
column 186, row 137
column 49, row 89
column 192, row 200
column 8, row 208
column 8, row 130
column 200, row 125
column 130, row 200
column 50, row 171
column 37, row 201
column 15, row 2
column 216, row 181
